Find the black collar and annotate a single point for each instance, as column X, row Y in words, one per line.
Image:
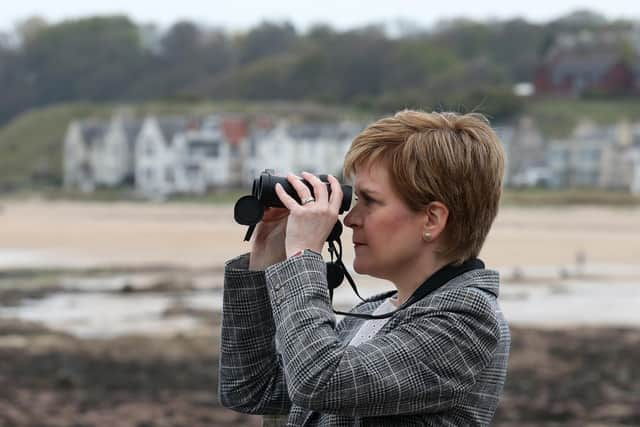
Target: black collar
column 433, row 282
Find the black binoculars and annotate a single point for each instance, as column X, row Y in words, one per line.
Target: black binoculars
column 249, row 210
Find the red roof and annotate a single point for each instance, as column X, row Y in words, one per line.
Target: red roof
column 235, row 130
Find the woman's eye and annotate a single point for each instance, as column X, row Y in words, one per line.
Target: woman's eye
column 367, row 200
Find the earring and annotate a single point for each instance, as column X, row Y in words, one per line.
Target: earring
column 426, row 236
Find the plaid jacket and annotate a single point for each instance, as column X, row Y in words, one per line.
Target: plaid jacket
column 440, row 362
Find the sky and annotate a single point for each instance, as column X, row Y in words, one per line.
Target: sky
column 341, row 14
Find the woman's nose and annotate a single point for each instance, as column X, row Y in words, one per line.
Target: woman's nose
column 350, row 220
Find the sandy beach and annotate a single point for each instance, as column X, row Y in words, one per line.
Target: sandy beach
column 38, row 233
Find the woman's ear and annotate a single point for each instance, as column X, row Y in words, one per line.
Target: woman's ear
column 436, row 215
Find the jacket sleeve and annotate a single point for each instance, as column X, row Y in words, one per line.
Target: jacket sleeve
column 424, row 364
column 250, row 373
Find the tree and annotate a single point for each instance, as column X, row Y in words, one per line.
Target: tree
column 29, row 28
column 181, row 41
column 17, row 83
column 266, row 39
column 92, row 58
column 189, row 56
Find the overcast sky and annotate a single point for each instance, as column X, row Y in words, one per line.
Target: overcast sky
column 341, row 14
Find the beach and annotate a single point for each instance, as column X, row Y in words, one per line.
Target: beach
column 110, row 313
column 199, row 235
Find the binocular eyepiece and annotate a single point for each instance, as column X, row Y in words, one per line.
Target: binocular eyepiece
column 249, row 210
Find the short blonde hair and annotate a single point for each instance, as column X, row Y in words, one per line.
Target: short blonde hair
column 456, row 159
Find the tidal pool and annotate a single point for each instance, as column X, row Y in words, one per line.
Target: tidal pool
column 98, row 308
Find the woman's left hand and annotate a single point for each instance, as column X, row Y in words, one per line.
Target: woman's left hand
column 309, row 224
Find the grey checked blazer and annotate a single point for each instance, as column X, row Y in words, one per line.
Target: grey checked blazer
column 440, row 362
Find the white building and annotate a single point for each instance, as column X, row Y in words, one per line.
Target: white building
column 113, row 159
column 155, row 165
column 79, row 159
column 178, row 155
column 202, row 158
column 98, row 153
column 634, row 188
column 505, row 134
column 525, row 149
column 595, row 157
column 295, row 147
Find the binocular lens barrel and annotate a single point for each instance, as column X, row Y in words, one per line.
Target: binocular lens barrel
column 264, row 188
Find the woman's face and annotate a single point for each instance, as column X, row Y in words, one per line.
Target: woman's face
column 387, row 235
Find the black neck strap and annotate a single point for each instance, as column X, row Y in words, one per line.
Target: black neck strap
column 435, row 281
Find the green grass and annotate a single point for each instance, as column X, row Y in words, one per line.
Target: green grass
column 558, row 116
column 511, row 197
column 579, row 197
column 31, row 144
column 226, row 197
column 106, row 195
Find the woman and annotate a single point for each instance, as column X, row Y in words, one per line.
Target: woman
column 428, row 187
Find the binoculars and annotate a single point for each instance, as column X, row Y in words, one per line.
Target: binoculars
column 249, row 210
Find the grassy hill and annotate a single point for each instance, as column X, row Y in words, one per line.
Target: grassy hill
column 558, row 117
column 31, row 144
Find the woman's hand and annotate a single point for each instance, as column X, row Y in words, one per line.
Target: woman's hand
column 267, row 246
column 309, row 225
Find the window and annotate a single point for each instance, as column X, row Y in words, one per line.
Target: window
column 193, row 172
column 149, row 149
column 590, row 155
column 204, row 148
column 169, row 175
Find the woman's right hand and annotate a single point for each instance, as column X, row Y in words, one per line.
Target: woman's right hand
column 267, row 245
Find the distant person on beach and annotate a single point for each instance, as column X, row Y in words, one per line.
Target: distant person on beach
column 428, row 186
